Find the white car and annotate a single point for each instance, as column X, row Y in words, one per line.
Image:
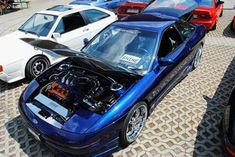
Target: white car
column 65, row 24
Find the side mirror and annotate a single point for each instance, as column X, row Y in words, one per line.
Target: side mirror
column 165, row 61
column 56, row 35
column 85, row 41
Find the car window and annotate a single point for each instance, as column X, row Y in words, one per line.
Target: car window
column 186, row 29
column 94, row 15
column 124, row 48
column 70, row 23
column 171, row 40
column 205, row 3
column 39, row 24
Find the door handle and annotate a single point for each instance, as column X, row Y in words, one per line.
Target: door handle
column 86, row 29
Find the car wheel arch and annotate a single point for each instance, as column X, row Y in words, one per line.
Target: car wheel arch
column 138, row 103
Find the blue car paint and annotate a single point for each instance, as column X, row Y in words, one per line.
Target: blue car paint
column 171, row 7
column 140, row 90
column 112, row 4
column 96, row 131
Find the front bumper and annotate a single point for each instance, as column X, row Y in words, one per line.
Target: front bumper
column 230, row 148
column 209, row 24
column 94, row 149
column 4, row 77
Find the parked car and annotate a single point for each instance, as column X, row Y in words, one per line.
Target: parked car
column 100, row 99
column 208, row 13
column 232, row 25
column 132, row 7
column 182, row 9
column 107, row 4
column 228, row 125
column 68, row 25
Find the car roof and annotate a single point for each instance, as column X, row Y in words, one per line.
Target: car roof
column 173, row 8
column 60, row 10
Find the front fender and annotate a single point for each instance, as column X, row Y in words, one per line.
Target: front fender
column 135, row 94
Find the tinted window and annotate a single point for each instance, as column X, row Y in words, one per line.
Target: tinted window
column 205, row 3
column 95, row 15
column 69, row 23
column 185, row 29
column 171, row 40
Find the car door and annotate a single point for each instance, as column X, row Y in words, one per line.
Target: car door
column 71, row 30
column 174, row 48
column 97, row 20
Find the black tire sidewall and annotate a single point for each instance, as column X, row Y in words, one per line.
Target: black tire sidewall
column 221, row 14
column 214, row 27
column 123, row 141
column 29, row 71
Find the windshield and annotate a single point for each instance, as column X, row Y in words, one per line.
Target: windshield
column 39, row 24
column 205, row 3
column 127, row 49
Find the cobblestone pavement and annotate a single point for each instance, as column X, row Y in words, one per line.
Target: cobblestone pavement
column 187, row 122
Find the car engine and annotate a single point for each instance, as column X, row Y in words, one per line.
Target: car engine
column 73, row 87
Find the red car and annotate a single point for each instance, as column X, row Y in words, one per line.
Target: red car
column 232, row 25
column 132, row 7
column 207, row 13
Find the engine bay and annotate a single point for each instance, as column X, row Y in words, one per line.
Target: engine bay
column 72, row 87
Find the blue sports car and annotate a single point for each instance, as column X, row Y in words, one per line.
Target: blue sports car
column 108, row 4
column 100, row 99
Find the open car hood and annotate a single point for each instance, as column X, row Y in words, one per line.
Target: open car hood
column 173, row 8
column 50, row 45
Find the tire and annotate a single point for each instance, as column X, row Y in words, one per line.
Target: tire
column 197, row 57
column 36, row 66
column 141, row 111
column 214, row 27
column 221, row 14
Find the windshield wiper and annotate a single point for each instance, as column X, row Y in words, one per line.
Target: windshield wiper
column 32, row 32
column 20, row 29
column 123, row 68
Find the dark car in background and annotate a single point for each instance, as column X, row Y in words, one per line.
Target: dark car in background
column 229, row 125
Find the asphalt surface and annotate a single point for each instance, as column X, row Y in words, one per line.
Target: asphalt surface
column 187, row 122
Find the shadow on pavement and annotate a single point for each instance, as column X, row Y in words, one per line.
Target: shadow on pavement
column 8, row 86
column 27, row 143
column 228, row 32
column 8, row 11
column 209, row 139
